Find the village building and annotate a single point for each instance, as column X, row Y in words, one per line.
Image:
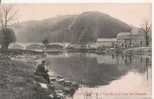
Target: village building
column 105, row 42
column 129, row 39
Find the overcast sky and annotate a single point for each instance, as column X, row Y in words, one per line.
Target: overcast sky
column 133, row 14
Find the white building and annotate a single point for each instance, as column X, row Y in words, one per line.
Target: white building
column 128, row 39
column 106, row 42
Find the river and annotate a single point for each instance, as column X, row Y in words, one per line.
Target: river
column 105, row 76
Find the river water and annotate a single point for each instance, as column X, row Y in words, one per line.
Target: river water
column 105, row 76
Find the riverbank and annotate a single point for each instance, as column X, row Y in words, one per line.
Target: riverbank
column 16, row 79
column 138, row 51
column 19, row 82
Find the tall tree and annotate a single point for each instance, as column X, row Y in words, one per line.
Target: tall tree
column 146, row 27
column 7, row 36
column 7, row 16
column 45, row 42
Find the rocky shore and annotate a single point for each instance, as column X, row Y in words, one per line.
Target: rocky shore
column 19, row 82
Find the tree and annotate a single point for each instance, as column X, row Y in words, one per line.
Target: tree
column 7, row 36
column 147, row 29
column 7, row 16
column 45, row 42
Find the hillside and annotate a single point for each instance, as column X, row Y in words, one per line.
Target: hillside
column 85, row 27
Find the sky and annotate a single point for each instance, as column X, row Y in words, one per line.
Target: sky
column 131, row 13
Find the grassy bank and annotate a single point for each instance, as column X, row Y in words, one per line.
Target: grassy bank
column 19, row 82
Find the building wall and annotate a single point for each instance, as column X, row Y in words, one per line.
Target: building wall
column 130, row 43
column 106, row 42
column 128, row 40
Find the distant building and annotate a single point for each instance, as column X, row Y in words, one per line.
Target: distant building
column 141, row 31
column 105, row 42
column 137, row 30
column 128, row 39
column 78, row 46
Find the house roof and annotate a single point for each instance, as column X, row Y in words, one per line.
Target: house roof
column 129, row 35
column 106, row 39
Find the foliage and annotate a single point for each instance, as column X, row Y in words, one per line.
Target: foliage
column 147, row 30
column 7, row 36
column 45, row 42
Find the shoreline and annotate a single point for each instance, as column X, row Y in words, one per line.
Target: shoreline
column 133, row 51
column 19, row 82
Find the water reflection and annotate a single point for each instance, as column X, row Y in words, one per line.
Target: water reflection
column 130, row 86
column 95, row 70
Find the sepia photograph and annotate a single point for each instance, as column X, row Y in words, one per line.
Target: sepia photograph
column 76, row 51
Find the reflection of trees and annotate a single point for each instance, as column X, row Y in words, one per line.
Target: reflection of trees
column 86, row 69
column 147, row 66
column 128, row 59
column 140, row 64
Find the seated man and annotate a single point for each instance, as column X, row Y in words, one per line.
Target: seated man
column 42, row 71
